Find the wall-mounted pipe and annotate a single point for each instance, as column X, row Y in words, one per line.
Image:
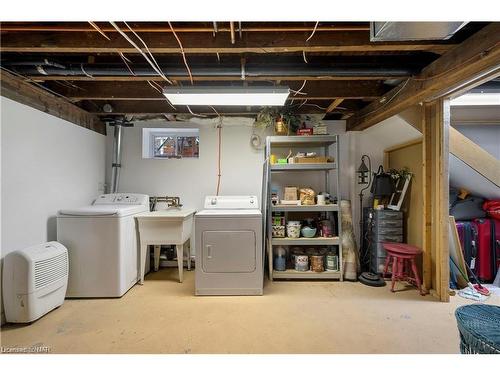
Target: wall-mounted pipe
column 117, row 158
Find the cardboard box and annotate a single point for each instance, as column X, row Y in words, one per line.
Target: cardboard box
column 290, row 193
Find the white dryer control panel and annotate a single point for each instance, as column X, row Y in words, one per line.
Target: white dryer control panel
column 122, row 198
column 231, row 202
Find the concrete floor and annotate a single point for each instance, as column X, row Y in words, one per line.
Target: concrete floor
column 164, row 316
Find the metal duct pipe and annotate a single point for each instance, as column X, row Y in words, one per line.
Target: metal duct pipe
column 117, row 158
column 251, row 70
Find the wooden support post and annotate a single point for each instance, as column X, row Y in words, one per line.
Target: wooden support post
column 435, row 128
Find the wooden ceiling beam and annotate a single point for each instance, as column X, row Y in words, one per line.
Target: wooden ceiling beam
column 334, row 104
column 132, row 107
column 473, row 60
column 180, row 29
column 17, row 89
column 314, row 90
column 203, row 43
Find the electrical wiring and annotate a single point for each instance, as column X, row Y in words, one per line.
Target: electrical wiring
column 219, row 156
column 126, row 64
column 388, row 101
column 194, row 114
column 153, row 86
column 303, row 103
column 315, row 105
column 145, row 46
column 84, row 72
column 182, row 52
column 304, row 56
column 122, row 33
column 299, row 91
column 98, row 29
column 314, row 30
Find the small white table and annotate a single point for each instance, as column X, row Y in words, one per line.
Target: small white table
column 167, row 227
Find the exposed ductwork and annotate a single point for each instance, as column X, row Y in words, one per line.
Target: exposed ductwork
column 118, row 124
column 411, row 31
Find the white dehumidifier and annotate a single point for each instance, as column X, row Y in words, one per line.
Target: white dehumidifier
column 34, row 281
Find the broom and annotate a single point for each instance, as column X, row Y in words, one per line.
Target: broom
column 477, row 288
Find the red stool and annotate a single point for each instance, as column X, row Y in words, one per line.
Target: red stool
column 402, row 253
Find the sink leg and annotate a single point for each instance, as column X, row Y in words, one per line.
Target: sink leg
column 142, row 265
column 189, row 254
column 157, row 249
column 180, row 260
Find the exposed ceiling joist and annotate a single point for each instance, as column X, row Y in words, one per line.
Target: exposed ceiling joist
column 131, row 107
column 203, row 43
column 477, row 57
column 315, row 90
column 180, row 29
column 334, row 104
column 19, row 90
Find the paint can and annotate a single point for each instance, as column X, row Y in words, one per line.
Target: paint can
column 301, row 263
column 317, row 263
column 332, row 262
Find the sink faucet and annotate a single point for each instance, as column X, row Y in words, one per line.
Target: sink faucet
column 173, row 202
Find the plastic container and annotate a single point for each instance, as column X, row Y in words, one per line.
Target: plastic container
column 280, row 258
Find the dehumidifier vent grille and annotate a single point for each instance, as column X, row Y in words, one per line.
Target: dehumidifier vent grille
column 50, row 270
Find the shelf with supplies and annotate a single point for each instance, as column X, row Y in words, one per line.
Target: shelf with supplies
column 293, row 274
column 303, row 167
column 314, row 241
column 305, row 257
column 302, row 141
column 304, row 208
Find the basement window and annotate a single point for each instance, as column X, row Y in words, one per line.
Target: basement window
column 170, row 143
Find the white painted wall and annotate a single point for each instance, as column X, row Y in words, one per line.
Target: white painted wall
column 461, row 175
column 487, row 136
column 372, row 142
column 190, row 178
column 46, row 164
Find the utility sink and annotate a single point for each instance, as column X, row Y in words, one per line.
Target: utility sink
column 170, row 226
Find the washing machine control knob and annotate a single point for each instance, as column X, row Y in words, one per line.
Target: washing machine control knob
column 251, row 201
column 213, row 201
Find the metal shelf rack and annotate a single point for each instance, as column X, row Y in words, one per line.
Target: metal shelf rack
column 326, row 143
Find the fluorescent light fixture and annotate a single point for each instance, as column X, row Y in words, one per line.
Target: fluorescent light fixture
column 227, row 96
column 477, row 99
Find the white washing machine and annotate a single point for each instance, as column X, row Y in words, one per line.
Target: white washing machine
column 102, row 245
column 228, row 244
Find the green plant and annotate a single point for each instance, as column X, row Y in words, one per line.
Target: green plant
column 265, row 118
column 291, row 120
column 403, row 173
